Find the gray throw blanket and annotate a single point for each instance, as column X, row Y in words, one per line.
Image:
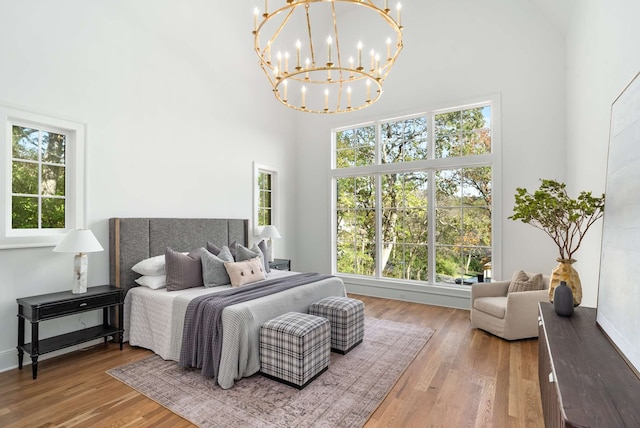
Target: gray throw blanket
column 202, row 332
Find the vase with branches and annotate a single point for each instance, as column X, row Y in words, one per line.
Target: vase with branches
column 564, row 220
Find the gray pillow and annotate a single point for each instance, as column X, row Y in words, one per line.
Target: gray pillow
column 262, row 245
column 233, row 247
column 213, row 248
column 243, row 253
column 183, row 270
column 213, row 271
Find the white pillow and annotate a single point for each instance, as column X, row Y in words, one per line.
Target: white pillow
column 150, row 266
column 152, row 281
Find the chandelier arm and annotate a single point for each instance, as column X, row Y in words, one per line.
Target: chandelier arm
column 313, row 53
column 281, row 27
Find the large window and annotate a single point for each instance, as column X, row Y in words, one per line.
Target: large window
column 42, row 174
column 413, row 196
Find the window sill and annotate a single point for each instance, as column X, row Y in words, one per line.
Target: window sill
column 453, row 296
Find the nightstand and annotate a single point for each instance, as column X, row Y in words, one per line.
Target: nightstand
column 36, row 309
column 280, row 264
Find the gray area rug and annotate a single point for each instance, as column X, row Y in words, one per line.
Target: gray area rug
column 344, row 396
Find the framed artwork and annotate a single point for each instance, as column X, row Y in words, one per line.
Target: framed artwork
column 618, row 312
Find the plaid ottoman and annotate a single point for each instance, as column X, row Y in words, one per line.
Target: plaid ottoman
column 346, row 316
column 295, row 348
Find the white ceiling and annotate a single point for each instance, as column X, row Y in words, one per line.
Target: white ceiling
column 559, row 12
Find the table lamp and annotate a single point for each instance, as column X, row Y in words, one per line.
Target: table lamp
column 79, row 241
column 270, row 232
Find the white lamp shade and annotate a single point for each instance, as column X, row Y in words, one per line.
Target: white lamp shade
column 78, row 241
column 270, row 232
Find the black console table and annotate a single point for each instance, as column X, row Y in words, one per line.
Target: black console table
column 584, row 382
column 36, row 309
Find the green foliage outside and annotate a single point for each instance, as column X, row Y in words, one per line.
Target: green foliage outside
column 265, row 208
column 564, row 219
column 38, row 179
column 463, row 200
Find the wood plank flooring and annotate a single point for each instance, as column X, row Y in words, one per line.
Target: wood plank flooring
column 463, row 377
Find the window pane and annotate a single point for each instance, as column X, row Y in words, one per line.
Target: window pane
column 265, row 198
column 463, row 133
column 404, row 225
column 355, row 147
column 53, row 180
column 53, row 213
column 463, row 219
column 53, row 147
column 24, row 178
column 24, row 212
column 404, row 141
column 24, row 142
column 355, row 250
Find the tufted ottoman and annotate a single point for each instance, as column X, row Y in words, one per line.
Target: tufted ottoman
column 295, row 348
column 346, row 316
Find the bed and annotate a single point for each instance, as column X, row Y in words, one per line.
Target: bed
column 154, row 319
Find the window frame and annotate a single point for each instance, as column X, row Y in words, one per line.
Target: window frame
column 74, row 178
column 257, row 170
column 429, row 166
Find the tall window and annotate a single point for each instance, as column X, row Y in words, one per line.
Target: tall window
column 265, row 201
column 42, row 174
column 413, row 196
column 265, row 210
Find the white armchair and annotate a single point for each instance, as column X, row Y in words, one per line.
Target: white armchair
column 508, row 315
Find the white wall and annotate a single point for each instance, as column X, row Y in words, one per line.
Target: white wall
column 176, row 110
column 455, row 51
column 603, row 55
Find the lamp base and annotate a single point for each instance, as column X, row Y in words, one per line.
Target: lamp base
column 79, row 274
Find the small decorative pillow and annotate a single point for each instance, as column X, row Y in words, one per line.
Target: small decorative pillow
column 152, row 281
column 183, row 271
column 213, row 248
column 523, row 282
column 245, row 272
column 244, row 253
column 151, row 266
column 233, row 247
column 213, row 271
column 262, row 245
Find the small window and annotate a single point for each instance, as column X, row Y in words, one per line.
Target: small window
column 265, row 188
column 42, row 174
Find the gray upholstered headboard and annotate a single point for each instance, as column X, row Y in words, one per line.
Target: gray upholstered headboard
column 135, row 239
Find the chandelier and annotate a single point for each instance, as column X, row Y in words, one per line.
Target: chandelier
column 316, row 57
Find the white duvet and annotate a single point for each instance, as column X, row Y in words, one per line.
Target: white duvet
column 154, row 319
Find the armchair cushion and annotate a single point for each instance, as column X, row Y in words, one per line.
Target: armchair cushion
column 521, row 281
column 494, row 306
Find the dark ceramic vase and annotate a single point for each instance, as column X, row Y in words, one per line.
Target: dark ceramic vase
column 563, row 300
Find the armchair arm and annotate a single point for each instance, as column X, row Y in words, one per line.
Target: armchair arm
column 489, row 289
column 522, row 313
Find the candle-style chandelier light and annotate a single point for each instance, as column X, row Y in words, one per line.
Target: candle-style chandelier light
column 327, row 56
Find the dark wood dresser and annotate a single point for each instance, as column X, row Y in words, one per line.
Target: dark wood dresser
column 584, row 382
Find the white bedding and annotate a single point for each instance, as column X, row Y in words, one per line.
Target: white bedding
column 153, row 319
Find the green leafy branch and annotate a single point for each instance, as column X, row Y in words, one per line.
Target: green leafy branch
column 551, row 210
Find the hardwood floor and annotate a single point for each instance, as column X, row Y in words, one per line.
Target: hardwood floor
column 463, row 377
